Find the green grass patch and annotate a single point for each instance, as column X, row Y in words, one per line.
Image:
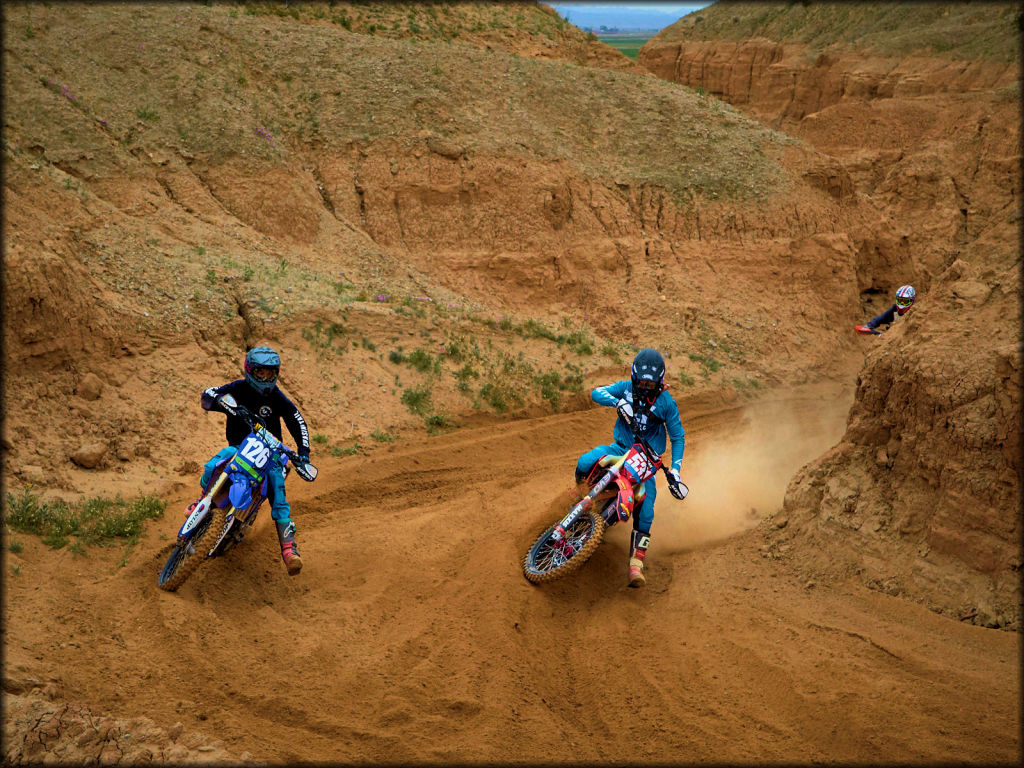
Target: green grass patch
column 97, row 520
column 708, row 363
column 350, row 450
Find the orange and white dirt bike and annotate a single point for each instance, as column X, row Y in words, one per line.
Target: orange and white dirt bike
column 565, row 546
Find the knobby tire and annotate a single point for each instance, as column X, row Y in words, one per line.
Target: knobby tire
column 596, row 524
column 201, row 543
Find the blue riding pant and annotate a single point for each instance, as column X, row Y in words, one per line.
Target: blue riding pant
column 642, row 517
column 280, row 510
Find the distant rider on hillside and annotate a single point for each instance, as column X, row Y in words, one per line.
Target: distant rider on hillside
column 905, row 298
column 258, row 392
column 642, row 399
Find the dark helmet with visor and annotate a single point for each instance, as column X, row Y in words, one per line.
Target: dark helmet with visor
column 262, row 365
column 648, row 378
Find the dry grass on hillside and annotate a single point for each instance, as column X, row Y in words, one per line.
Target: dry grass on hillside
column 214, row 81
column 958, row 30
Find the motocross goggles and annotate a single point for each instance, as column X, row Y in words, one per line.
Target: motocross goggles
column 646, row 391
column 265, row 373
column 904, row 301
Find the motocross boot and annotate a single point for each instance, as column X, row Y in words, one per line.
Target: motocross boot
column 638, row 548
column 289, row 552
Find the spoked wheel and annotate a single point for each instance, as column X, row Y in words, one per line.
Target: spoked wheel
column 185, row 558
column 549, row 559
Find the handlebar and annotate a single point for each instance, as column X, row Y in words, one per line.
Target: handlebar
column 650, row 452
column 303, row 467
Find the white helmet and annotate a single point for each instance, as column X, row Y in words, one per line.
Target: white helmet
column 905, row 297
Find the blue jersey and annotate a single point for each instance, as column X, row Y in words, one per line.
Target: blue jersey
column 662, row 417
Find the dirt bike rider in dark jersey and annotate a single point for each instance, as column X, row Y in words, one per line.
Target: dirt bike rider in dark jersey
column 644, row 400
column 905, row 298
column 258, row 392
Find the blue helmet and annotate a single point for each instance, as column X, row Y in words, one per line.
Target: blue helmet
column 262, row 364
column 648, row 377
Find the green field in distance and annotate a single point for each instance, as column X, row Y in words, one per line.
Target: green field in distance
column 628, row 44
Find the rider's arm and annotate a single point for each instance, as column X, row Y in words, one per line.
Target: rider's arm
column 885, row 318
column 210, row 397
column 611, row 394
column 675, row 431
column 295, row 423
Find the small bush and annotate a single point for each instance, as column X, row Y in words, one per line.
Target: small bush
column 382, row 437
column 423, row 361
column 610, row 351
column 417, row 400
column 436, row 422
column 496, row 396
column 464, row 374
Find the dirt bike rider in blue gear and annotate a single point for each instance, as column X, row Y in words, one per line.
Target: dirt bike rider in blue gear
column 643, row 400
column 905, row 298
column 258, row 392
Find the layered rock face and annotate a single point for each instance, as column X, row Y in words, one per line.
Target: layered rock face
column 780, row 83
column 921, row 497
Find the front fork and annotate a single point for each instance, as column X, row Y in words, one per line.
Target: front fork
column 585, row 503
column 202, row 508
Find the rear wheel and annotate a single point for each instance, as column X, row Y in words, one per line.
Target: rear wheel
column 549, row 559
column 186, row 557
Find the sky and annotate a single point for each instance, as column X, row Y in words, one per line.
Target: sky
column 625, row 15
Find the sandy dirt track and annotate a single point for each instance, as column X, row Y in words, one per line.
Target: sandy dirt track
column 411, row 635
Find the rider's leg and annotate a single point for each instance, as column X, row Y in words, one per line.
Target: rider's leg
column 641, row 535
column 586, row 462
column 222, row 454
column 281, row 512
column 208, row 468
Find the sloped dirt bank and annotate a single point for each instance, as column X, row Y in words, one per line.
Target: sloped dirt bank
column 921, row 498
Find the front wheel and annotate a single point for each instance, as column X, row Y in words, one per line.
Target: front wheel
column 549, row 559
column 186, row 557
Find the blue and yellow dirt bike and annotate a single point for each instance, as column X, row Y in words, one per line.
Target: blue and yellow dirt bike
column 228, row 508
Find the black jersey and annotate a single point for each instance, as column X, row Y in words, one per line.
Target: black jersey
column 270, row 408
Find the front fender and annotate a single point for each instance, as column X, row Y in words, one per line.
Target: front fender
column 240, row 493
column 625, row 500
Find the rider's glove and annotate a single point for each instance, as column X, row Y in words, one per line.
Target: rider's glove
column 625, row 411
column 675, row 485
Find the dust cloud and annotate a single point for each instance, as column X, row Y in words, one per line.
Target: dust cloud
column 738, row 475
